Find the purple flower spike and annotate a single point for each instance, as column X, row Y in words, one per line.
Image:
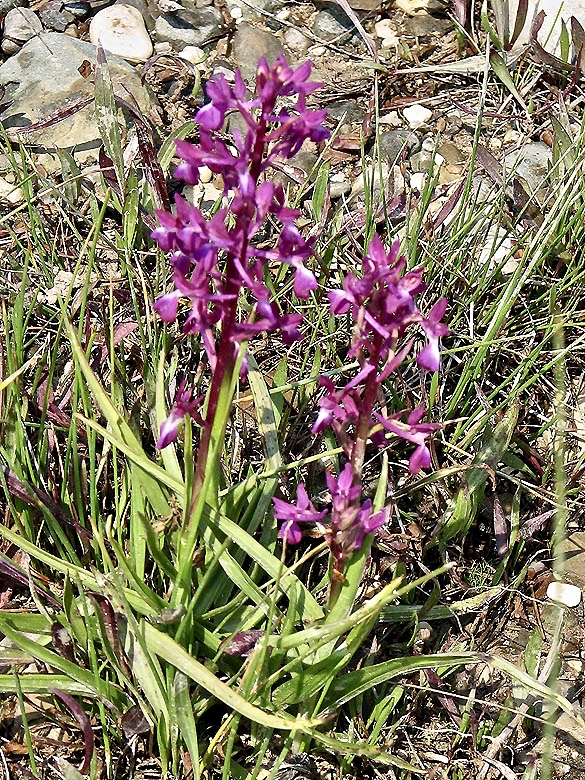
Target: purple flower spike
column 214, row 258
column 184, row 404
column 293, row 514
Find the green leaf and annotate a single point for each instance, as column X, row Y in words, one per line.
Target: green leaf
column 84, row 677
column 107, row 116
column 182, row 709
column 265, row 416
column 532, row 653
column 500, row 68
column 353, row 684
column 40, row 683
column 166, row 648
column 320, row 191
column 122, row 431
column 466, row 502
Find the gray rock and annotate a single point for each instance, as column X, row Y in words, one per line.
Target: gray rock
column 531, row 163
column 20, row 25
column 251, row 43
column 43, row 78
column 425, row 24
column 574, row 549
column 190, row 26
column 6, row 5
column 333, row 23
column 394, row 142
column 348, row 110
column 55, row 17
column 296, row 41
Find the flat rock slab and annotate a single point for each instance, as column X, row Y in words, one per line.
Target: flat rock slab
column 45, row 77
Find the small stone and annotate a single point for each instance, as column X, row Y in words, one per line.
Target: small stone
column 574, row 553
column 422, row 24
column 333, row 24
column 20, row 25
column 511, row 137
column 163, row 47
column 374, row 176
column 425, row 631
column 387, row 33
column 417, row 181
column 530, row 163
column 417, row 115
column 43, row 77
column 10, row 193
column 121, row 30
column 425, row 160
column 396, row 143
column 190, row 27
column 193, row 54
column 392, row 119
column 348, row 110
column 145, row 8
column 564, row 593
column 7, row 5
column 250, row 43
column 77, row 9
column 205, row 174
column 450, row 173
column 318, row 51
column 451, row 153
column 283, row 14
column 296, row 41
column 412, row 7
column 55, row 17
column 366, row 5
column 236, row 12
column 385, row 29
column 555, row 16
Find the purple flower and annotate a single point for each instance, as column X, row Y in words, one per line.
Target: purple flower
column 412, row 431
column 184, row 404
column 351, row 521
column 293, row 514
column 429, row 357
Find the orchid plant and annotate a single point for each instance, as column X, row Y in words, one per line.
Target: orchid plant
column 216, row 260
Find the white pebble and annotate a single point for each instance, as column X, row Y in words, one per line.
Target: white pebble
column 121, row 30
column 417, row 181
column 193, row 54
column 384, row 29
column 205, row 175
column 10, row 193
column 236, row 12
column 163, row 47
column 283, row 14
column 416, row 115
column 387, row 33
column 317, row 51
column 564, row 593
